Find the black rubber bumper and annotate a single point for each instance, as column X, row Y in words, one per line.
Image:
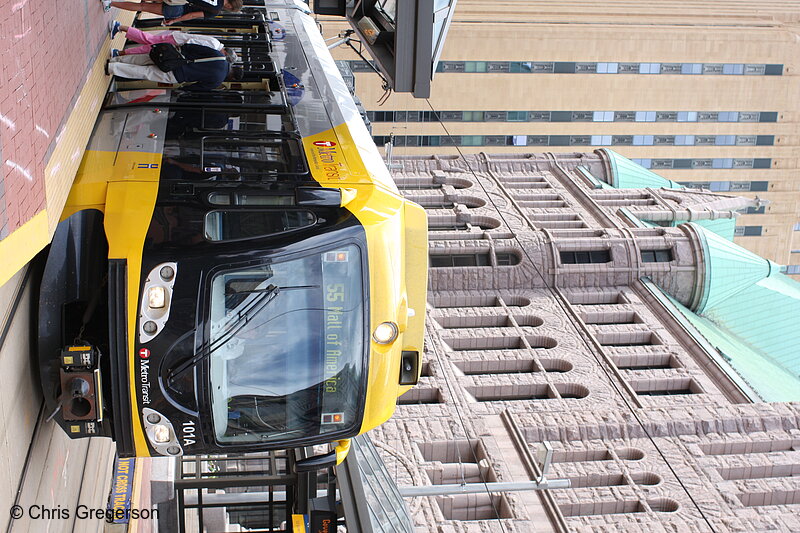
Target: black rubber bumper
column 118, row 355
column 75, row 267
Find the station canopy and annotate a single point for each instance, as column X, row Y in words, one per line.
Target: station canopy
column 404, row 37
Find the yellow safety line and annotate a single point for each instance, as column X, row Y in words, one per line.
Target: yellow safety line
column 22, row 244
column 18, row 248
column 133, row 525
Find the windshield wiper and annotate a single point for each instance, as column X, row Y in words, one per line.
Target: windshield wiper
column 232, row 327
column 270, row 288
column 265, row 296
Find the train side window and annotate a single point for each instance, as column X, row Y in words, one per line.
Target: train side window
column 221, row 226
column 251, row 156
column 210, row 97
column 249, row 199
column 273, row 101
column 251, row 121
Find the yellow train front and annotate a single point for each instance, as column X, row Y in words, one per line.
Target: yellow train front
column 234, row 270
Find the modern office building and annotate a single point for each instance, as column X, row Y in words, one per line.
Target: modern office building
column 705, row 93
column 572, row 301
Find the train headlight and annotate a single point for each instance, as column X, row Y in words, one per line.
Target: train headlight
column 385, row 333
column 161, row 434
column 156, row 297
column 167, row 273
column 156, row 300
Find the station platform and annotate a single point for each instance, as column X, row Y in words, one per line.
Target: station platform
column 52, row 83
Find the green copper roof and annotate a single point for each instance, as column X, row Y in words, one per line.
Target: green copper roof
column 596, row 183
column 772, row 381
column 744, row 307
column 724, row 227
column 764, row 316
column 730, row 269
column 625, row 174
column 748, row 310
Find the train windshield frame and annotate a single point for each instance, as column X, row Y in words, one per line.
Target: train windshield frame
column 289, row 359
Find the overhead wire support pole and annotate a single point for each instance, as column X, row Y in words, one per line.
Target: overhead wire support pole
column 344, row 39
column 480, row 488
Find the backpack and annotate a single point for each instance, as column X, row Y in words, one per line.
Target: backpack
column 211, row 7
column 166, row 57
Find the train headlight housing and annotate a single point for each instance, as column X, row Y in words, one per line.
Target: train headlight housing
column 156, row 300
column 167, row 273
column 156, row 297
column 161, row 434
column 385, row 333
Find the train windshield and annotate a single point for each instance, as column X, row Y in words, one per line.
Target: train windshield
column 288, row 348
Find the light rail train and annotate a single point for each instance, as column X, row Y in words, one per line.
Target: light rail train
column 235, row 270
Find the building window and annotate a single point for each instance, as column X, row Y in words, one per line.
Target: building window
column 735, row 69
column 657, row 256
column 692, row 68
column 607, row 68
column 475, row 66
column 446, row 226
column 472, row 260
column 585, row 257
column 773, row 70
column 459, row 260
column 624, row 339
column 650, row 68
column 421, row 395
column 671, row 387
column 471, row 140
column 603, row 116
column 747, row 231
column 506, row 259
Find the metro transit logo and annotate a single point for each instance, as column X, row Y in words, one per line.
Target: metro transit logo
column 144, row 353
column 328, row 144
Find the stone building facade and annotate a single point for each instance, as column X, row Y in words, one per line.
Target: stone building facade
column 548, row 321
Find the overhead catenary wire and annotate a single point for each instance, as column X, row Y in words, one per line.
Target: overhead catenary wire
column 562, row 306
column 451, row 390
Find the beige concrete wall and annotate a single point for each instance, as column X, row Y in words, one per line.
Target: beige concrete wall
column 628, row 31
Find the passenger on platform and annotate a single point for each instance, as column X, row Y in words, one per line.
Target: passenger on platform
column 175, row 11
column 206, row 71
column 147, row 39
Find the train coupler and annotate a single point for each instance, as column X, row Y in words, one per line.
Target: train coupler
column 81, row 390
